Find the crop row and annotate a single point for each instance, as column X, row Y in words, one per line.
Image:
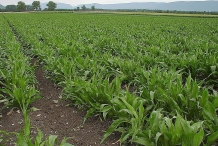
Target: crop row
column 17, row 78
column 155, row 76
column 17, row 82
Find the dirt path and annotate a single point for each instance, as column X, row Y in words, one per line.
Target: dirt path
column 56, row 118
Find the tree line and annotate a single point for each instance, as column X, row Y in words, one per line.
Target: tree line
column 21, row 6
column 83, row 8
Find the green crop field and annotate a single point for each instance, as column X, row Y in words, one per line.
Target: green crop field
column 155, row 76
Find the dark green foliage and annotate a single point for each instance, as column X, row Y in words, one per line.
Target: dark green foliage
column 12, row 8
column 21, row 6
column 36, row 5
column 51, row 6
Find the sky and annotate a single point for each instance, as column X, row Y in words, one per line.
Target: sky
column 77, row 2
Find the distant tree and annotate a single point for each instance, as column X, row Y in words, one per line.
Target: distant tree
column 46, row 9
column 51, row 5
column 36, row 5
column 11, row 8
column 78, row 8
column 93, row 8
column 29, row 8
column 21, row 6
column 83, row 7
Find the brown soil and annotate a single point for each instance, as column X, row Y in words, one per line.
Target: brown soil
column 56, row 118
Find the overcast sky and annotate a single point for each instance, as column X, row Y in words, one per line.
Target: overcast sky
column 77, row 2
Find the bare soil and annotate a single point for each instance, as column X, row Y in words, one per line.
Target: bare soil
column 55, row 117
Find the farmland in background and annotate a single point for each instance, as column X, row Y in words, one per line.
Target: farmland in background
column 155, row 76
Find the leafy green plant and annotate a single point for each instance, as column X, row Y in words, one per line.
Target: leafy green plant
column 161, row 130
column 16, row 81
column 131, row 113
column 24, row 137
